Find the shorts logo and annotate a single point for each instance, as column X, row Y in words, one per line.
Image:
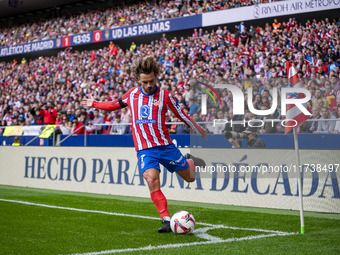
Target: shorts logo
column 145, row 111
column 179, row 160
column 172, row 163
column 142, row 160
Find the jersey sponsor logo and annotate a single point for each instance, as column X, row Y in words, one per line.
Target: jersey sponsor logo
column 145, row 111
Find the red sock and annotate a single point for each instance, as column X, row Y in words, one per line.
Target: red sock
column 160, row 202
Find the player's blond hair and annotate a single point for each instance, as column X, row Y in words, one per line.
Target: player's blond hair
column 145, row 65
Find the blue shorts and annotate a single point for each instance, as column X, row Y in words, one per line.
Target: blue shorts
column 168, row 155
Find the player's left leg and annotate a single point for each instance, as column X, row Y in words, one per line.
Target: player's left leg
column 174, row 161
column 188, row 174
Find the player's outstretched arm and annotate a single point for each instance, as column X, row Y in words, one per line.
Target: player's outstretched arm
column 87, row 102
column 107, row 106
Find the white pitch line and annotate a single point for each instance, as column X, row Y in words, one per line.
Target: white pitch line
column 135, row 216
column 199, row 232
column 202, row 233
column 253, row 229
column 80, row 210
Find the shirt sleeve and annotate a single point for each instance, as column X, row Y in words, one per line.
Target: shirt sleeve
column 176, row 109
column 108, row 106
column 112, row 105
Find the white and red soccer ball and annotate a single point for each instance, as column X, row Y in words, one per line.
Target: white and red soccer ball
column 182, row 222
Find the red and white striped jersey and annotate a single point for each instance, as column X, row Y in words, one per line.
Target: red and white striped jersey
column 148, row 115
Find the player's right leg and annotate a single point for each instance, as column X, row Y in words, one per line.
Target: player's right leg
column 151, row 176
column 149, row 167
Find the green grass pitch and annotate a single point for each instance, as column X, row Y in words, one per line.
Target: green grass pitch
column 57, row 222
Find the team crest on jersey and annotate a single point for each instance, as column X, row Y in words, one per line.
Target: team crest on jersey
column 145, row 111
column 156, row 103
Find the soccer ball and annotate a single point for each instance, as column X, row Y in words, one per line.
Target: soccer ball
column 182, row 222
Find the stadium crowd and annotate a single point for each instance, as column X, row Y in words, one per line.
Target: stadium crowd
column 123, row 15
column 48, row 90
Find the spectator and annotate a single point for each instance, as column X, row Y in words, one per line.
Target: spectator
column 318, row 96
column 337, row 124
column 49, row 113
column 241, row 27
column 3, row 126
column 269, row 127
column 216, row 127
column 245, row 37
column 125, row 117
column 330, row 97
column 326, row 126
column 97, row 121
column 64, row 126
column 117, row 129
column 188, row 94
column 84, row 118
column 332, row 65
column 17, row 141
column 193, row 107
column 78, row 128
column 58, row 120
column 312, row 126
column 276, row 26
column 38, row 119
column 89, row 127
column 234, row 127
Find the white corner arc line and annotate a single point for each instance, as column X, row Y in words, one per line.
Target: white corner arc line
column 202, row 233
